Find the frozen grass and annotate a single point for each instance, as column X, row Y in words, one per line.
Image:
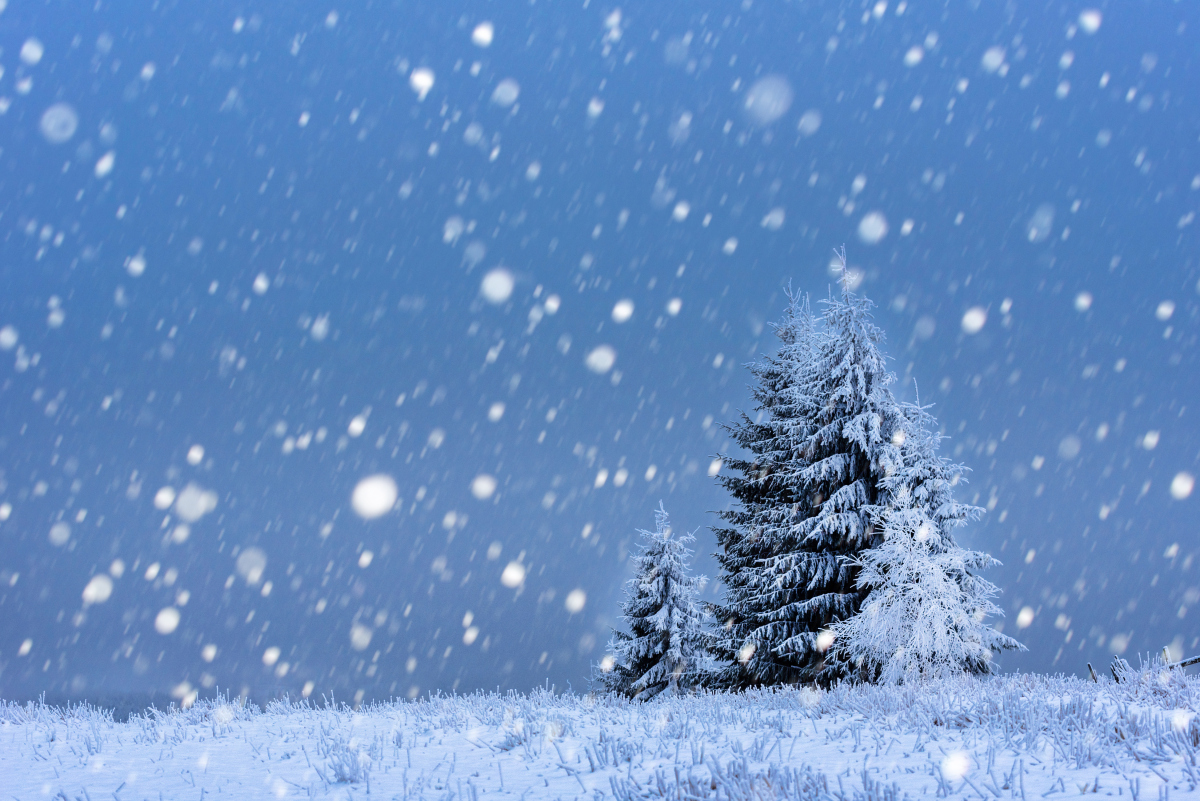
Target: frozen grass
column 1020, row 736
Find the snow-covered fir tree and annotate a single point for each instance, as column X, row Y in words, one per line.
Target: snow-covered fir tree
column 663, row 651
column 924, row 615
column 766, row 502
column 810, row 498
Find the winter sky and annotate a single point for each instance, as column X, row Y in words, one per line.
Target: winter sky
column 344, row 348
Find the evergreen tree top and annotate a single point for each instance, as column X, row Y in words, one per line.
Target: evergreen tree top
column 851, row 364
column 929, row 477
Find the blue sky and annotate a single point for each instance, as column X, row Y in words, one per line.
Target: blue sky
column 284, row 250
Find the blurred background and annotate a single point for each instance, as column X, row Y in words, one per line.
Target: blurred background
column 343, row 349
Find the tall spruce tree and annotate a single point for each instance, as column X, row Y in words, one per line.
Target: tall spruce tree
column 766, row 501
column 664, row 651
column 810, row 499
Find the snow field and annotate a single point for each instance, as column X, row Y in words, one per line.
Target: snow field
column 1016, row 736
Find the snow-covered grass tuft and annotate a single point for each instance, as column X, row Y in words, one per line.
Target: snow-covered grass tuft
column 346, row 763
column 1014, row 736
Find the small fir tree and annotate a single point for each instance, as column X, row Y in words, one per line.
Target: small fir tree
column 664, row 650
column 923, row 617
column 925, row 609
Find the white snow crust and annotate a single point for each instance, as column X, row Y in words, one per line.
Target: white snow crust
column 1015, row 736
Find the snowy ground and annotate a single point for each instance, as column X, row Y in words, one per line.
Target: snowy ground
column 1027, row 737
